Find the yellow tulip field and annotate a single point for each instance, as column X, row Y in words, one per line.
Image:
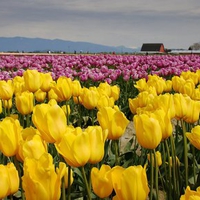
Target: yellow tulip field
column 62, row 118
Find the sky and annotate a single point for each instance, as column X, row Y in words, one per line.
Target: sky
column 175, row 23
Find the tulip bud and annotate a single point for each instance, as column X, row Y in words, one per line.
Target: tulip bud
column 158, row 158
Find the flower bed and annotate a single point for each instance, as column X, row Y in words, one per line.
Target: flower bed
column 63, row 118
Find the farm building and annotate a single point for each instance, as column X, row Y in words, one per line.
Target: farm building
column 153, row 47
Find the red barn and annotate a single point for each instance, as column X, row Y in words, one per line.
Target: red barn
column 153, row 47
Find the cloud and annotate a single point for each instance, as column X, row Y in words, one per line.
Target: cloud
column 113, row 22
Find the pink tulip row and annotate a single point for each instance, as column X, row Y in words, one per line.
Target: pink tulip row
column 99, row 67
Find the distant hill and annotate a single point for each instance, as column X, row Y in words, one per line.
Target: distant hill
column 23, row 44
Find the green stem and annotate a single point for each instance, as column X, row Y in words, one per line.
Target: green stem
column 28, row 122
column 63, row 190
column 185, row 152
column 11, row 197
column 67, row 111
column 151, row 173
column 161, row 178
column 79, row 112
column 20, row 175
column 164, row 158
column 4, row 109
column 69, row 185
column 194, row 161
column 86, row 183
column 156, row 173
column 173, row 155
column 92, row 117
column 116, row 142
column 169, row 172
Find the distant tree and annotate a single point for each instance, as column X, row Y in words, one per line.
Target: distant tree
column 195, row 46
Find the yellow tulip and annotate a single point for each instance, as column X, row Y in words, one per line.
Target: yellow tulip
column 193, row 111
column 40, row 95
column 52, row 95
column 89, row 97
column 10, row 136
column 39, row 179
column 104, row 89
column 52, row 102
column 46, row 81
column 77, row 100
column 6, row 89
column 9, row 180
column 97, row 139
column 19, row 85
column 190, row 75
column 113, row 120
column 101, row 181
column 24, row 102
column 194, row 136
column 157, row 82
column 32, row 145
column 62, row 88
column 1, row 110
column 105, row 101
column 66, row 176
column 7, row 103
column 133, row 104
column 32, row 80
column 177, row 161
column 142, row 100
column 115, row 92
column 165, row 102
column 196, row 94
column 187, row 88
column 191, row 194
column 66, row 109
column 76, row 88
column 164, row 121
column 148, row 131
column 74, row 146
column 130, row 183
column 177, row 82
column 186, row 108
column 181, row 105
column 168, row 86
column 141, row 85
column 158, row 158
column 50, row 121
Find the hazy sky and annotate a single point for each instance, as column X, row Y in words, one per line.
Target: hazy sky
column 176, row 23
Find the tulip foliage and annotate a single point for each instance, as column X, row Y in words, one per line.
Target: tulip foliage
column 61, row 136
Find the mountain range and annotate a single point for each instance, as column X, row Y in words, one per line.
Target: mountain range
column 23, row 44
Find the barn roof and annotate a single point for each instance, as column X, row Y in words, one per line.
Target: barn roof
column 151, row 46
